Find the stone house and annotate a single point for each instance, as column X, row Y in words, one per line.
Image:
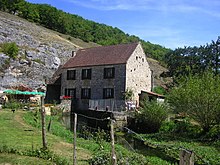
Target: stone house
column 98, row 77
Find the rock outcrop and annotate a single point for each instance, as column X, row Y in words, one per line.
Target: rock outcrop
column 41, row 52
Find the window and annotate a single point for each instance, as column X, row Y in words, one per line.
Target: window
column 71, row 74
column 108, row 93
column 85, row 93
column 70, row 92
column 109, row 73
column 86, row 74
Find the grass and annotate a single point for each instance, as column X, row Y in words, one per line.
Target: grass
column 23, row 138
column 170, row 145
column 6, row 158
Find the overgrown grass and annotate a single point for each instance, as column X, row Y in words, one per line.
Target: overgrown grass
column 99, row 149
column 171, row 144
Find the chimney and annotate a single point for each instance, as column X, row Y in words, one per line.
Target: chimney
column 73, row 53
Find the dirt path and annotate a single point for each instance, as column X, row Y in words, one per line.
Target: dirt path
column 18, row 118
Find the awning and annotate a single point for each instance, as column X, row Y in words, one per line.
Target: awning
column 17, row 92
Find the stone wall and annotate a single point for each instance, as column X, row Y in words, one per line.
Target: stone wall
column 138, row 73
column 97, row 82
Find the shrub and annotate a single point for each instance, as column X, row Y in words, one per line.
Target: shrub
column 151, row 116
column 104, row 157
column 10, row 49
column 13, row 104
column 182, row 127
column 160, row 90
column 167, row 127
column 214, row 133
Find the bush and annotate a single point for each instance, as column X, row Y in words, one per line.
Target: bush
column 100, row 158
column 10, row 49
column 151, row 116
column 12, row 105
column 181, row 127
column 104, row 157
column 167, row 127
column 160, row 90
column 214, row 133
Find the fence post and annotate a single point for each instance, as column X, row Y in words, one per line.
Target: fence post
column 114, row 160
column 186, row 157
column 74, row 140
column 43, row 121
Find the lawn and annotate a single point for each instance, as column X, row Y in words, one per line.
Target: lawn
column 18, row 137
column 6, row 158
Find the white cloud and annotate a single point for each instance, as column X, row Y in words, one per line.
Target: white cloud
column 184, row 6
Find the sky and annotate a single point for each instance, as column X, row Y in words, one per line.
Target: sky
column 169, row 23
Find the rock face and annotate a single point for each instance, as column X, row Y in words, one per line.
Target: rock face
column 41, row 52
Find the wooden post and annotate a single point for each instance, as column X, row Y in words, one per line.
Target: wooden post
column 186, row 157
column 43, row 121
column 114, row 160
column 74, row 140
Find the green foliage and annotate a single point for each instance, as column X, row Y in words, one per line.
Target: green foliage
column 160, row 90
column 100, row 158
column 10, row 49
column 199, row 97
column 193, row 60
column 214, row 133
column 171, row 144
column 11, row 6
column 33, row 118
column 40, row 153
column 151, row 115
column 78, row 27
column 181, row 127
column 104, row 157
column 13, row 104
column 167, row 127
column 129, row 94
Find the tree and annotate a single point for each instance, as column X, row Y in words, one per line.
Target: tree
column 14, row 5
column 192, row 60
column 199, row 97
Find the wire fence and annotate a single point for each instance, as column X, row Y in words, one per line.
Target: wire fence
column 172, row 151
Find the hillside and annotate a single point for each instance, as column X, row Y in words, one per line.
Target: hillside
column 78, row 27
column 41, row 51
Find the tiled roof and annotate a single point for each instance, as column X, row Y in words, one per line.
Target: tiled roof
column 103, row 55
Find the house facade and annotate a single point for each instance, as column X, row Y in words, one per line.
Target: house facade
column 104, row 74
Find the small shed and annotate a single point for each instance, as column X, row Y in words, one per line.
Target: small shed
column 145, row 95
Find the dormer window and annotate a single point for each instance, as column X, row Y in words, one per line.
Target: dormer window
column 71, row 74
column 109, row 73
column 86, row 74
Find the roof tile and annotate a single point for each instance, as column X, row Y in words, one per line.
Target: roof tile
column 103, row 55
